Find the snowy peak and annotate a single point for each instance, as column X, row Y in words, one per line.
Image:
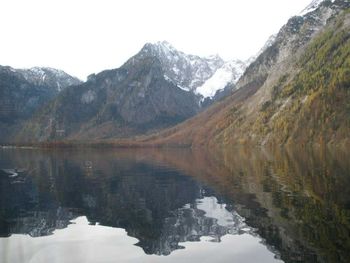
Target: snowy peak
column 203, row 76
column 165, row 47
column 160, row 49
column 45, row 76
column 186, row 71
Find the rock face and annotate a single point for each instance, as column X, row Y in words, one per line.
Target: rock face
column 187, row 71
column 22, row 92
column 295, row 90
column 202, row 76
column 157, row 88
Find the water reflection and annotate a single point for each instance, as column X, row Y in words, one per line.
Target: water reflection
column 160, row 206
column 296, row 203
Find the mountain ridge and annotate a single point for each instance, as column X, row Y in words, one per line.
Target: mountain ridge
column 192, row 72
column 154, row 89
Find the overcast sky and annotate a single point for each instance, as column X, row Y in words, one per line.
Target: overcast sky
column 87, row 36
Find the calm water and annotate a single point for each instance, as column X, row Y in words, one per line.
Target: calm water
column 237, row 205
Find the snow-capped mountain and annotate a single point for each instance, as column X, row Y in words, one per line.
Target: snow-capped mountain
column 157, row 88
column 187, row 71
column 134, row 99
column 200, row 75
column 277, row 102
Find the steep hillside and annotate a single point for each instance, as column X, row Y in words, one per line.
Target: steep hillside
column 313, row 104
column 22, row 92
column 297, row 90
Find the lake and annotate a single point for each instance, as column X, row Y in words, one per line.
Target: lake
column 139, row 205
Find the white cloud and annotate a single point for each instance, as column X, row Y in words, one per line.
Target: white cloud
column 87, row 36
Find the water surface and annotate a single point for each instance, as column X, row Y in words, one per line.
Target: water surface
column 236, row 205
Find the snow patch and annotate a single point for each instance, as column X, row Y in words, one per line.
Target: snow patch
column 229, row 73
column 179, row 86
column 183, row 88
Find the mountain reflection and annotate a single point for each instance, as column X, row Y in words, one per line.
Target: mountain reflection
column 296, row 200
column 156, row 204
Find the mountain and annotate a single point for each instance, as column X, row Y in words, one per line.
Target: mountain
column 224, row 81
column 22, row 92
column 186, row 71
column 133, row 99
column 201, row 75
column 157, row 88
column 50, row 77
column 296, row 91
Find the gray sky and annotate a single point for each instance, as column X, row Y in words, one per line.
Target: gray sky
column 88, row 36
